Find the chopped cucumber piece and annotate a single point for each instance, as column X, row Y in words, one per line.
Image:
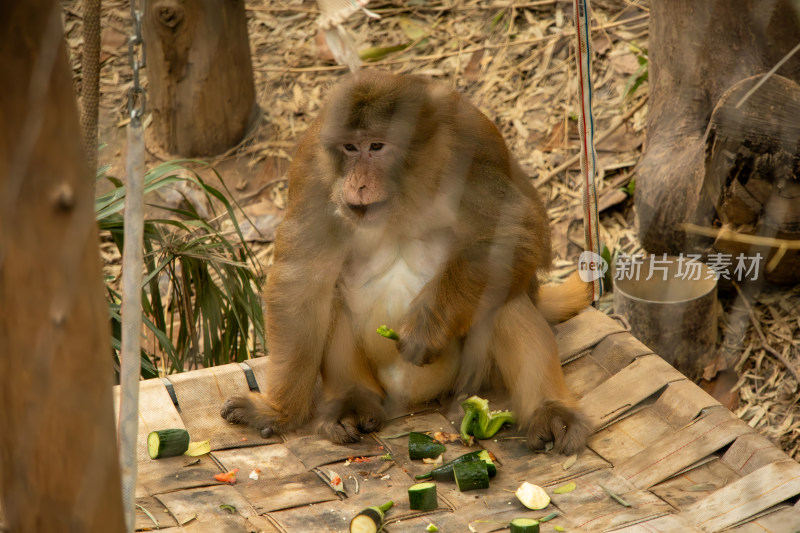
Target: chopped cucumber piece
column 471, row 475
column 421, row 446
column 167, row 443
column 524, row 525
column 369, row 520
column 422, row 497
column 445, row 472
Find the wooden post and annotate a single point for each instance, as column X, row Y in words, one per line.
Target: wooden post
column 201, row 87
column 59, row 470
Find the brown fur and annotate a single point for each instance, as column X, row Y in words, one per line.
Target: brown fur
column 558, row 303
column 406, row 208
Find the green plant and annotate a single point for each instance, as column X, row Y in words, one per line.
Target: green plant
column 640, row 76
column 630, row 187
column 200, row 289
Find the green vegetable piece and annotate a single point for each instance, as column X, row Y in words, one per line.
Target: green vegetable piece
column 432, row 528
column 422, row 497
column 370, row 520
column 524, row 525
column 167, row 443
column 470, row 414
column 615, row 496
column 471, row 475
column 563, row 489
column 548, row 517
column 445, row 471
column 479, row 421
column 421, row 446
column 230, row 509
column 389, row 333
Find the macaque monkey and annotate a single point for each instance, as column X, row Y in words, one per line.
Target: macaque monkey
column 406, row 209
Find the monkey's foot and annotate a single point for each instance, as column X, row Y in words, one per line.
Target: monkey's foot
column 242, row 410
column 343, row 419
column 566, row 427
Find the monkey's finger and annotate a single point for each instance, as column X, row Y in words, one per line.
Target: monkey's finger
column 538, row 437
column 558, row 428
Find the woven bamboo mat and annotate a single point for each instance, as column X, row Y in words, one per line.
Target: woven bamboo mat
column 678, row 458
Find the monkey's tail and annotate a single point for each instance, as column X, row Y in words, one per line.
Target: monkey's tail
column 558, row 303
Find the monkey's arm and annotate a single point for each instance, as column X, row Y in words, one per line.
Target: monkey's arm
column 503, row 240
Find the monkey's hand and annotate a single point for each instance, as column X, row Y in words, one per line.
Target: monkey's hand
column 567, row 428
column 243, row 410
column 423, row 337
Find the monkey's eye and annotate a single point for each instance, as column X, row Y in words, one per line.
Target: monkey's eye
column 375, row 146
column 350, row 148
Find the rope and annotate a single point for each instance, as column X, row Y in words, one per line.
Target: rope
column 90, row 87
column 586, row 130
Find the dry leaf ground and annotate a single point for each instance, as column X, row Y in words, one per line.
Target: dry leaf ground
column 515, row 62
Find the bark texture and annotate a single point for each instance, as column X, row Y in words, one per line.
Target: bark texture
column 59, row 470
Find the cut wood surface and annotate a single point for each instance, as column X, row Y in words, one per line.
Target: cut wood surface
column 678, row 458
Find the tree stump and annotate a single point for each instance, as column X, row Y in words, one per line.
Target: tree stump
column 753, row 173
column 707, row 161
column 201, row 78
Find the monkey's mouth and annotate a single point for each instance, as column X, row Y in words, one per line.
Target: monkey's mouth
column 369, row 212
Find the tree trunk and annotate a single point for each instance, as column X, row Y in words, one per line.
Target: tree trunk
column 699, row 150
column 201, row 78
column 753, row 173
column 58, row 459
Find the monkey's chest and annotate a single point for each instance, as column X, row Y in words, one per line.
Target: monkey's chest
column 378, row 290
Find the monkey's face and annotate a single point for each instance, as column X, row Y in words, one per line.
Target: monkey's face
column 366, row 181
column 375, row 130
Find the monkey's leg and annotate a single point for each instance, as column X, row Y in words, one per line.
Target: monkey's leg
column 296, row 336
column 524, row 350
column 277, row 410
column 352, row 397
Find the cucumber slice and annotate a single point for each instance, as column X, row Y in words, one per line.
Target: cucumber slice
column 370, row 520
column 421, row 446
column 471, row 475
column 167, row 443
column 445, row 472
column 532, row 496
column 524, row 525
column 422, row 497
